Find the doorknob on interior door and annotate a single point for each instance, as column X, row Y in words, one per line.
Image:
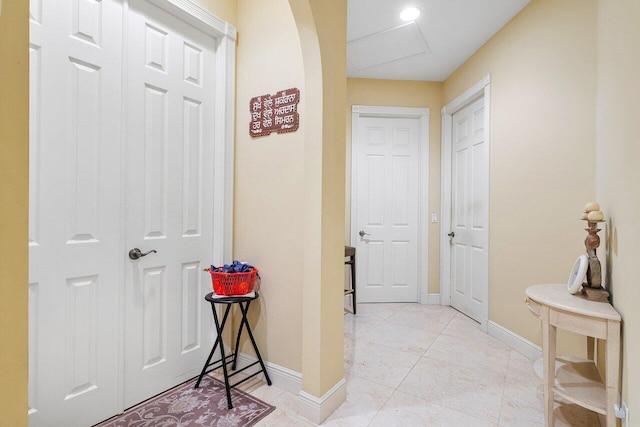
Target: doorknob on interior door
column 362, row 233
column 452, row 234
column 136, row 253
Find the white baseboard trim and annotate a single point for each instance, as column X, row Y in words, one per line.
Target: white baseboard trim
column 515, row 341
column 318, row 409
column 430, row 299
column 280, row 376
column 315, row 409
column 484, row 324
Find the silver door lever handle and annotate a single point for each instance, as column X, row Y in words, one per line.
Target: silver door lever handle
column 362, row 233
column 136, row 253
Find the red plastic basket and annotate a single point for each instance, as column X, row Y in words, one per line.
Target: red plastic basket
column 233, row 283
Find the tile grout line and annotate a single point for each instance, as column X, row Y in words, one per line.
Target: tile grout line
column 441, row 404
column 396, row 389
column 504, row 388
column 381, row 407
column 420, row 358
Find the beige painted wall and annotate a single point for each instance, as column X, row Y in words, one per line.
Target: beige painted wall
column 289, row 211
column 330, row 19
column 14, row 182
column 269, row 179
column 322, row 32
column 543, row 85
column 618, row 175
column 396, row 93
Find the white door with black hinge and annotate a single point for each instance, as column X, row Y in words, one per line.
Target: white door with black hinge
column 386, row 207
column 469, row 234
column 121, row 157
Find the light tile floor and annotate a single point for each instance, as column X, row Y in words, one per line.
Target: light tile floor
column 425, row 365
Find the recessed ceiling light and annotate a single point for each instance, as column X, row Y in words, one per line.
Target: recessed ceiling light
column 410, row 14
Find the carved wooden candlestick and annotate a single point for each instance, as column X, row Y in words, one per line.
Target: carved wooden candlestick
column 593, row 289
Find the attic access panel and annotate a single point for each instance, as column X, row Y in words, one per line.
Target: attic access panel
column 386, row 46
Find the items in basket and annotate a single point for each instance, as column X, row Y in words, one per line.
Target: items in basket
column 235, row 267
column 234, row 279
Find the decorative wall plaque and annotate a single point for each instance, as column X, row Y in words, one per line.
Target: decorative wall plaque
column 274, row 113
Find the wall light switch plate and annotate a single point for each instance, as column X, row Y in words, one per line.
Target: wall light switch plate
column 434, row 217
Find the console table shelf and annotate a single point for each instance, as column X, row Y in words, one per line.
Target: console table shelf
column 578, row 381
column 575, row 379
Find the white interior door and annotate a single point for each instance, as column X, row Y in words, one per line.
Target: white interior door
column 470, row 212
column 169, row 200
column 386, row 185
column 74, row 228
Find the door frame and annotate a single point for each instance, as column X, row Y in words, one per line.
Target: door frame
column 478, row 90
column 422, row 114
column 224, row 35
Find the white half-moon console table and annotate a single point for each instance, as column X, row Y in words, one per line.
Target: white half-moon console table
column 575, row 379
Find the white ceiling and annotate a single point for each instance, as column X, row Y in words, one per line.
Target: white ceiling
column 380, row 45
